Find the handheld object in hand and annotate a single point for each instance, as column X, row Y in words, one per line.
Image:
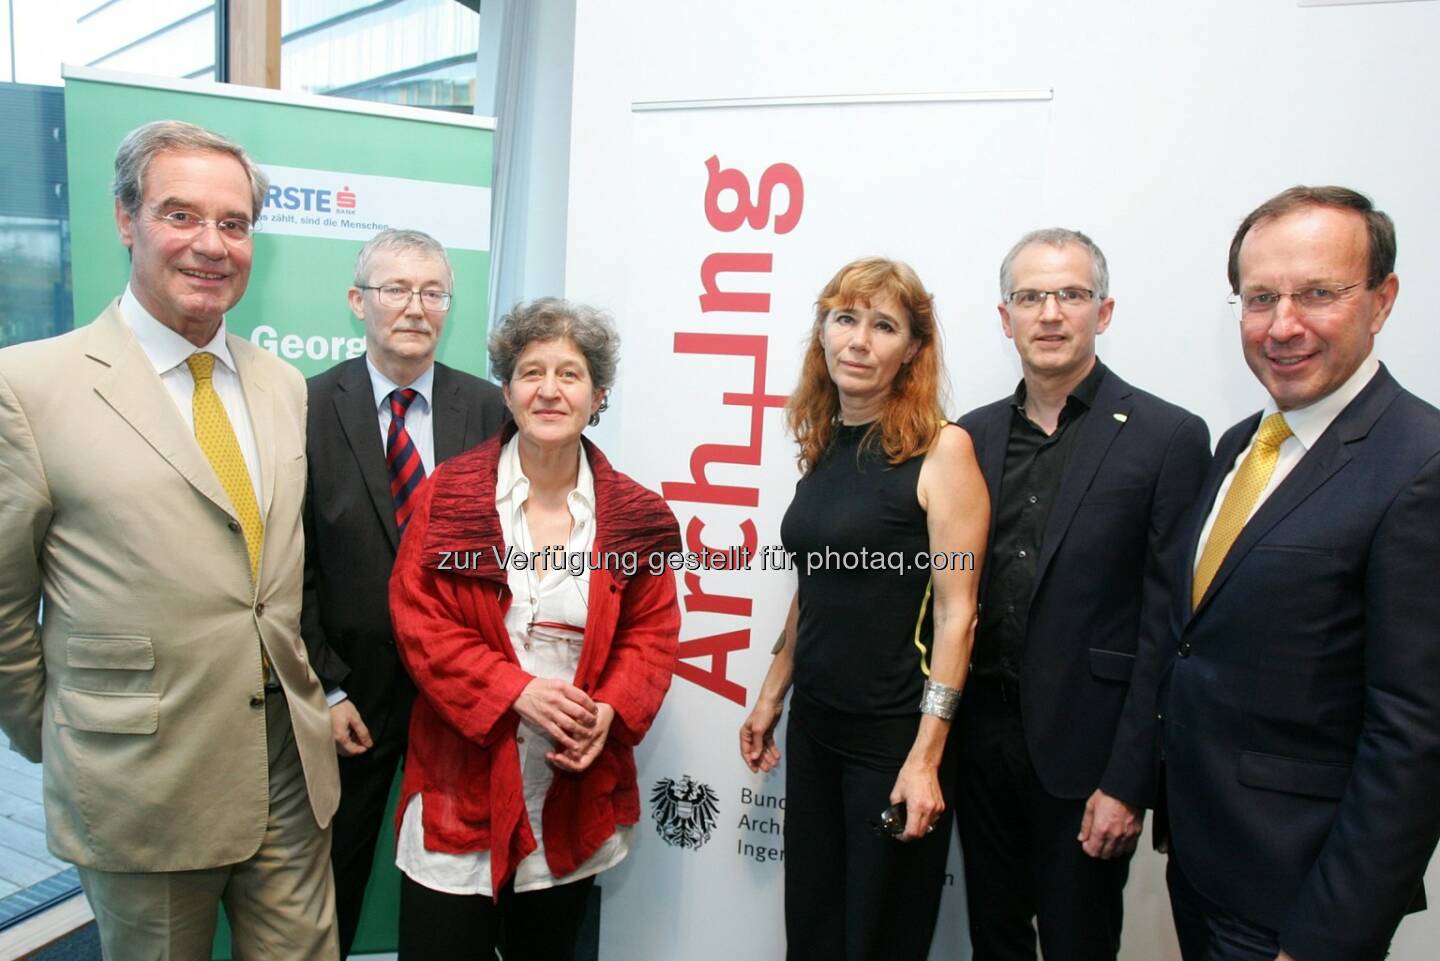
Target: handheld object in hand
column 892, row 821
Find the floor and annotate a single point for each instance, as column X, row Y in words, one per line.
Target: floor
column 24, row 860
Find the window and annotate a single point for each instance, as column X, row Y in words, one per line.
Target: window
column 169, row 37
column 416, row 52
column 172, row 38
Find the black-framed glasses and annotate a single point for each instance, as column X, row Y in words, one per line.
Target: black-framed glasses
column 396, row 296
column 235, row 230
column 1315, row 298
column 1027, row 299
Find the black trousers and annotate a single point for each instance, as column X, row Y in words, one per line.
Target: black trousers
column 365, row 782
column 852, row 894
column 531, row 926
column 1023, row 864
column 1208, row 932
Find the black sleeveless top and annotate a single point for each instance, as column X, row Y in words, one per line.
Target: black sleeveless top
column 855, row 529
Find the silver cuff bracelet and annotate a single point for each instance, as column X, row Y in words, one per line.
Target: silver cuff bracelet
column 939, row 700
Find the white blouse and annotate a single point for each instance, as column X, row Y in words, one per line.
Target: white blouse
column 545, row 621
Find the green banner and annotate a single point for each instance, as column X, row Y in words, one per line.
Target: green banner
column 340, row 171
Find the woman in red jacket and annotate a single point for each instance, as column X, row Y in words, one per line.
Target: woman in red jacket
column 533, row 609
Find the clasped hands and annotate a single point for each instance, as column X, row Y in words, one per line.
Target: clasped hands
column 571, row 718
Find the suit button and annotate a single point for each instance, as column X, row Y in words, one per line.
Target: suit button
column 233, row 525
column 1184, row 648
column 257, row 700
column 259, row 608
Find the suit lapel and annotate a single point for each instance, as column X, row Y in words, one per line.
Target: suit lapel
column 1319, row 464
column 1097, row 432
column 992, row 455
column 134, row 391
column 359, row 420
column 990, row 448
column 1224, row 461
column 260, row 401
column 1314, row 469
column 448, row 418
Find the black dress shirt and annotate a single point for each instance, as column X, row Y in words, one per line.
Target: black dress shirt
column 1034, row 463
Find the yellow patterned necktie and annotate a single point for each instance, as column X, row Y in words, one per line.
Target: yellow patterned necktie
column 1250, row 479
column 217, row 439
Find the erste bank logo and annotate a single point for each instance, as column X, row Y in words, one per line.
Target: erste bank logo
column 316, row 200
column 685, row 811
column 346, row 205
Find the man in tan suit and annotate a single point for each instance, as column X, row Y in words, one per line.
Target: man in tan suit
column 152, row 469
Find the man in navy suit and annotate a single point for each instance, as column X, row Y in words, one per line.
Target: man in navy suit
column 1302, row 698
column 364, row 464
column 1057, row 737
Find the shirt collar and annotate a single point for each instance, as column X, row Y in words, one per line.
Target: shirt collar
column 383, row 386
column 165, row 348
column 1083, row 394
column 1308, row 423
column 512, row 484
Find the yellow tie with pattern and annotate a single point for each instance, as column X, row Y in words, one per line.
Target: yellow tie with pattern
column 222, row 450
column 1250, row 479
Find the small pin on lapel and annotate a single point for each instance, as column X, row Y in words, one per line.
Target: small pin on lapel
column 1122, row 418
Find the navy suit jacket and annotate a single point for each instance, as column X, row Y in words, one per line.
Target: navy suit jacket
column 350, row 534
column 1302, row 697
column 1102, row 592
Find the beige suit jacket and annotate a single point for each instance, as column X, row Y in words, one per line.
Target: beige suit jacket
column 142, row 692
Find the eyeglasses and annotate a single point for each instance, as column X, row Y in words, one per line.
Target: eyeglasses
column 1315, row 299
column 393, row 295
column 235, row 230
column 1064, row 297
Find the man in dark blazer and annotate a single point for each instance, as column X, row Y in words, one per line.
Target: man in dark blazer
column 378, row 425
column 1302, row 696
column 1057, row 735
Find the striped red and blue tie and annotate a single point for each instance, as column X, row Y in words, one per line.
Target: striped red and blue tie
column 406, row 469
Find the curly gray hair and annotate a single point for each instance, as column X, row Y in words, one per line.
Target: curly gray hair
column 551, row 318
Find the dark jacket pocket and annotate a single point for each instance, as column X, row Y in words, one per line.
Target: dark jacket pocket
column 1111, row 665
column 1293, row 775
column 1296, row 549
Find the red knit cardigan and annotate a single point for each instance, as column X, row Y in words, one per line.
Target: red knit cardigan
column 450, row 633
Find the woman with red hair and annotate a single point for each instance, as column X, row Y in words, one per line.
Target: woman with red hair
column 887, row 528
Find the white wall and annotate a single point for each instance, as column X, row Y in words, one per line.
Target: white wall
column 1169, row 122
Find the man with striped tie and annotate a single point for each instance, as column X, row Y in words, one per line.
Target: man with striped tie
column 378, row 425
column 1302, row 704
column 152, row 472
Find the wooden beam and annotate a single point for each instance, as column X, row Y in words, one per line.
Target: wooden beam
column 254, row 52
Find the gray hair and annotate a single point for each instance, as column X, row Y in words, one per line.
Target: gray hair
column 400, row 242
column 142, row 144
column 1057, row 237
column 551, row 318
